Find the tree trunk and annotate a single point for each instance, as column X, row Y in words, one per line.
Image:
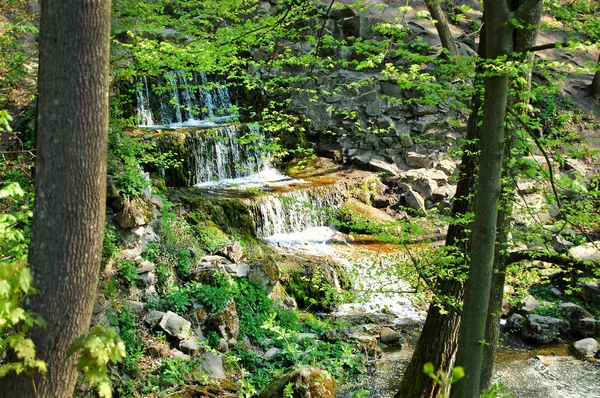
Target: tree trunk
column 523, row 38
column 442, row 26
column 442, row 328
column 596, row 83
column 70, row 187
column 477, row 287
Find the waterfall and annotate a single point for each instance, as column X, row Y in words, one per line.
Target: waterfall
column 219, row 153
column 222, row 155
column 295, row 211
column 181, row 100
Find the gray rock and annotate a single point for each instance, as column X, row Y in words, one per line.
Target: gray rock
column 572, row 312
column 374, row 109
column 175, row 325
column 190, row 346
column 179, row 355
column 367, row 98
column 514, row 323
column 586, row 252
column 157, row 202
column 588, row 327
column 541, row 329
column 213, row 365
column 153, row 318
column 304, row 382
column 586, row 348
column 265, row 273
column 415, row 201
column 382, row 166
column 423, row 123
column 135, row 306
column 590, row 291
column 406, row 141
column 422, row 110
column 311, row 336
column 150, row 294
column 271, row 352
column 390, row 88
column 447, row 166
column 145, row 266
column 416, row 160
column 389, row 336
column 232, row 251
column 576, row 165
column 237, row 270
column 146, row 279
column 226, row 323
column 506, row 307
column 527, row 305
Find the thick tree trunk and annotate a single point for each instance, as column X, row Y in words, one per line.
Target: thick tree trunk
column 477, row 288
column 523, row 38
column 596, row 83
column 70, row 186
column 442, row 328
column 442, row 26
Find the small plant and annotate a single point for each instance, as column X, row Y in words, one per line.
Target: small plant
column 443, row 379
column 96, row 350
column 128, row 271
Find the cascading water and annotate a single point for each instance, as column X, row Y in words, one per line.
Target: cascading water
column 295, row 211
column 182, row 100
column 215, row 154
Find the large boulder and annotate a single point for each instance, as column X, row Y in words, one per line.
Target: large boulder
column 213, row 365
column 527, row 305
column 232, row 251
column 542, row 329
column 586, row 348
column 590, row 291
column 572, row 312
column 134, row 212
column 365, row 343
column 175, row 325
column 306, row 382
column 265, row 273
column 588, row 327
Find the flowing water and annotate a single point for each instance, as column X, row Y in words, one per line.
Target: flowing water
column 295, row 218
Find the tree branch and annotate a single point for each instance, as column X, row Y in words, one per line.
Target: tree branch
column 548, row 46
column 562, row 260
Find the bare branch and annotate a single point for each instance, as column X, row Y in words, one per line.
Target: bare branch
column 548, row 46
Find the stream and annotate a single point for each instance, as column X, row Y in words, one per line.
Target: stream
column 292, row 216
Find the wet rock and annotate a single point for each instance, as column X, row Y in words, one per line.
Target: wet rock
column 586, row 348
column 213, row 365
column 366, row 344
column 232, row 251
column 541, row 329
column 306, row 382
column 588, row 327
column 514, row 323
column 175, row 325
column 572, row 312
column 389, row 336
column 527, row 305
column 135, row 212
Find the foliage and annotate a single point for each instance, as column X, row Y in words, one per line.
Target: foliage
column 15, row 286
column 110, row 246
column 443, row 379
column 128, row 271
column 95, row 351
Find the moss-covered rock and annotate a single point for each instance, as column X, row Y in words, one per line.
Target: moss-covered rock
column 355, row 216
column 307, row 382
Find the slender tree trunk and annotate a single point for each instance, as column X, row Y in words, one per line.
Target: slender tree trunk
column 70, row 186
column 523, row 38
column 596, row 82
column 477, row 288
column 442, row 26
column 439, row 338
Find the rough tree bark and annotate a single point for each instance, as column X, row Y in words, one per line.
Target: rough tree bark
column 477, row 287
column 442, row 26
column 522, row 39
column 70, row 186
column 441, row 327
